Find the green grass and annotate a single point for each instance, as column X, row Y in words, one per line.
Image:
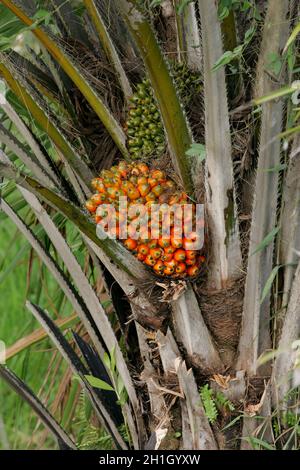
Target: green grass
column 16, row 322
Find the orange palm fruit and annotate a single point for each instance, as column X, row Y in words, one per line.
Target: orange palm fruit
column 127, row 185
column 101, row 188
column 112, row 192
column 142, row 180
column 140, row 200
column 95, row 182
column 156, row 252
column 170, row 264
column 169, row 250
column 166, row 256
column 179, row 255
column 133, row 179
column 144, row 189
column 143, row 249
column 157, row 190
column 130, row 244
column 152, row 181
column 148, row 204
column 176, row 242
column 143, row 167
column 164, row 242
column 180, row 268
column 193, row 271
column 114, row 169
column 159, row 267
column 141, row 257
column 190, row 261
column 133, row 193
column 116, row 181
column 183, row 198
column 150, row 261
column 123, row 169
column 150, row 197
column 119, row 193
column 190, row 254
column 98, row 198
column 169, row 271
column 152, row 244
column 107, row 174
column 159, row 175
column 90, row 205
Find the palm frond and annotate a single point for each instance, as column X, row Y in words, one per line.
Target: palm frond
column 68, row 21
column 24, row 391
column 61, row 279
column 109, row 47
column 78, row 368
column 73, row 72
column 221, row 205
column 18, row 149
column 189, row 39
column 47, row 125
column 29, row 138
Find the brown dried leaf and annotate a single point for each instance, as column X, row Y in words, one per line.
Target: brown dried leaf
column 222, row 380
column 172, row 290
column 252, row 410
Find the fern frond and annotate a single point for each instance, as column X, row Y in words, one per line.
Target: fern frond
column 207, row 397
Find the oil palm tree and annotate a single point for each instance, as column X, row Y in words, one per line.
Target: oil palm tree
column 194, row 349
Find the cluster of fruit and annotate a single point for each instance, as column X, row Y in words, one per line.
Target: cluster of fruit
column 187, row 83
column 144, row 126
column 167, row 253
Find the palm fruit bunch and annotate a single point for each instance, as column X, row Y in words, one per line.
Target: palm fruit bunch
column 168, row 254
column 144, row 126
column 187, row 83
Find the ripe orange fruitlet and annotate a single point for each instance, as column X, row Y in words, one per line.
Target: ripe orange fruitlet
column 130, row 244
column 193, row 271
column 179, row 255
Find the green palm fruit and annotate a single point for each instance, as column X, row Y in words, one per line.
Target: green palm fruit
column 144, row 126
